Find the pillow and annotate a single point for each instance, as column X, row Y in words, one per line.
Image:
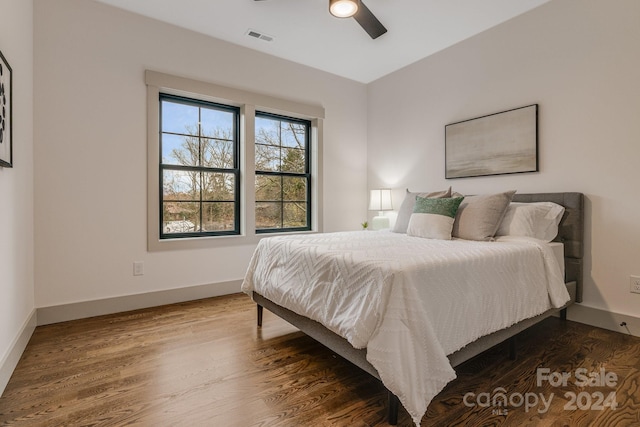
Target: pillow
column 433, row 218
column 406, row 209
column 538, row 219
column 479, row 217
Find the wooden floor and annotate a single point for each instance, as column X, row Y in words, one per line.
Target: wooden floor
column 205, row 363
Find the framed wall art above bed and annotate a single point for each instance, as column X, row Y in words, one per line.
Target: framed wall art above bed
column 496, row 144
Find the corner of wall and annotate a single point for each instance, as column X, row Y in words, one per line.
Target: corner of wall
column 16, row 348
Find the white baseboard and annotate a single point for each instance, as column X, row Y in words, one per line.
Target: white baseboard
column 604, row 319
column 82, row 310
column 11, row 359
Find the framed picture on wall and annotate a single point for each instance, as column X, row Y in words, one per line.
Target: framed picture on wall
column 6, row 112
column 496, row 144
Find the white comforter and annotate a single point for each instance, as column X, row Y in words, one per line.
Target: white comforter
column 409, row 301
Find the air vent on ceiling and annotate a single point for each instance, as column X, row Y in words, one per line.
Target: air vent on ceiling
column 260, row 36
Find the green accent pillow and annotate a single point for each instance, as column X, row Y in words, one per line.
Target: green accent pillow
column 445, row 206
column 406, row 209
column 433, row 218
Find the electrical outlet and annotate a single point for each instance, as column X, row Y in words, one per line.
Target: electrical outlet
column 635, row 284
column 138, row 268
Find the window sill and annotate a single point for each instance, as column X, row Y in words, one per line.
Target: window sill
column 211, row 242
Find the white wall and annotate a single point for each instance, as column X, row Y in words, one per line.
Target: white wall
column 90, row 147
column 579, row 60
column 16, row 186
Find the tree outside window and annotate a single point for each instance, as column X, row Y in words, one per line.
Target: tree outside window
column 199, row 174
column 283, row 179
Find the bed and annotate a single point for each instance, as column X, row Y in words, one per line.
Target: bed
column 411, row 352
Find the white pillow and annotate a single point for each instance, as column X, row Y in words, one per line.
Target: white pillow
column 538, row 219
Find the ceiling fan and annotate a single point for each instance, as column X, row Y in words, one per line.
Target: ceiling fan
column 359, row 12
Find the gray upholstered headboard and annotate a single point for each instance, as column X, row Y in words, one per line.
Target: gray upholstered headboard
column 570, row 231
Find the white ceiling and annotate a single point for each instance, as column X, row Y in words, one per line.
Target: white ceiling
column 305, row 32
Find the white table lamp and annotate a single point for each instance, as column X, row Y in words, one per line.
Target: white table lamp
column 380, row 200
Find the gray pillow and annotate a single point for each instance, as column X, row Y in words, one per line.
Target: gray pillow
column 479, row 217
column 406, row 209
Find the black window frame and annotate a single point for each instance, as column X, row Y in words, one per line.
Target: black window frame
column 307, row 175
column 235, row 170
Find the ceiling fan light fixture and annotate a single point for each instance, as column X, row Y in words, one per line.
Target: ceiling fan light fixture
column 343, row 8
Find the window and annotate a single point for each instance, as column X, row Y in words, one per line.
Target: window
column 226, row 166
column 199, row 173
column 282, row 174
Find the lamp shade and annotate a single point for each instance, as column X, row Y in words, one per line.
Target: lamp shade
column 380, row 200
column 343, row 8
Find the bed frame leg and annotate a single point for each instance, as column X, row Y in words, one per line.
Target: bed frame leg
column 260, row 310
column 512, row 348
column 393, row 409
column 563, row 314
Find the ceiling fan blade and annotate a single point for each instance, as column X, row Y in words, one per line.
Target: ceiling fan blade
column 369, row 22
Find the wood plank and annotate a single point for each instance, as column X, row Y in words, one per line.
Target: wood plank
column 205, row 363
